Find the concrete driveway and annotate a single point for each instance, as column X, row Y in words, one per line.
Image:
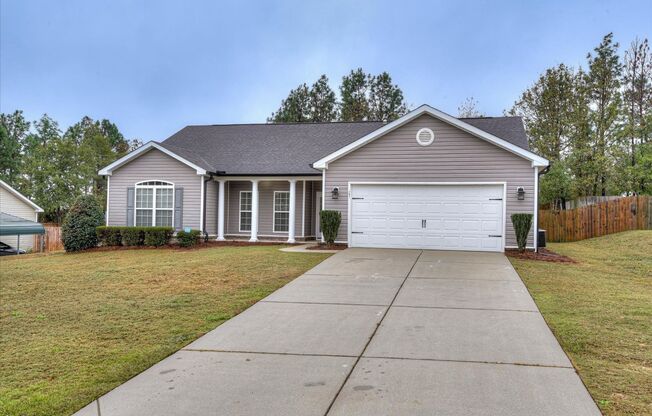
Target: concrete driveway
column 372, row 332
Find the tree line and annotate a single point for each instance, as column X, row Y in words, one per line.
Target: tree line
column 362, row 97
column 593, row 123
column 52, row 167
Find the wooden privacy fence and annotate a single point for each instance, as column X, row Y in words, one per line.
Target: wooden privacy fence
column 51, row 239
column 623, row 214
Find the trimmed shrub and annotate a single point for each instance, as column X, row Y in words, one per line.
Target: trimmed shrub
column 329, row 222
column 109, row 236
column 133, row 236
column 158, row 236
column 78, row 231
column 522, row 224
column 188, row 239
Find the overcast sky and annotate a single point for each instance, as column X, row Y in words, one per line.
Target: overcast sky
column 153, row 67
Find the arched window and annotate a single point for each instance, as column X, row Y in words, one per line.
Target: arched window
column 154, row 204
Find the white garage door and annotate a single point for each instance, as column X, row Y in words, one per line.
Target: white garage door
column 443, row 217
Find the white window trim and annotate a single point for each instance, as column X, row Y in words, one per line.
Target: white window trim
column 141, row 185
column 274, row 211
column 240, row 211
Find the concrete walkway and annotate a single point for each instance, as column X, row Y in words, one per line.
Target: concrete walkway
column 372, row 332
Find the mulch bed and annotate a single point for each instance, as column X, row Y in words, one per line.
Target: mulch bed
column 541, row 255
column 336, row 246
column 201, row 245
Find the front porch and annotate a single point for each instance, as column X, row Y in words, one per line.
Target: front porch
column 263, row 208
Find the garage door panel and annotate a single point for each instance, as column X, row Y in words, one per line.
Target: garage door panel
column 466, row 217
column 472, row 225
column 491, row 227
column 492, row 208
column 397, row 207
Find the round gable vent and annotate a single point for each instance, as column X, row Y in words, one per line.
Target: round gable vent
column 425, row 137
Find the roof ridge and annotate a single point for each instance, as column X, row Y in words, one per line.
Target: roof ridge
column 486, row 117
column 290, row 123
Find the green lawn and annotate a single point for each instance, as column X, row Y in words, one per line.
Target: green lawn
column 74, row 326
column 601, row 312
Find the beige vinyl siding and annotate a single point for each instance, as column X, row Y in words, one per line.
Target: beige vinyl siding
column 455, row 156
column 212, row 191
column 155, row 165
column 12, row 205
column 265, row 206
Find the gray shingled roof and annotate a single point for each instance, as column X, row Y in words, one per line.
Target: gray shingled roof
column 291, row 148
column 507, row 128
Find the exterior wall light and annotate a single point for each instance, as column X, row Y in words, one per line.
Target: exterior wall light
column 335, row 193
column 520, row 193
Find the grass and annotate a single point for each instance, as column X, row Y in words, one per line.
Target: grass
column 600, row 310
column 74, row 326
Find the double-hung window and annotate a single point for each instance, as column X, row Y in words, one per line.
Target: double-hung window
column 245, row 211
column 154, row 204
column 281, row 211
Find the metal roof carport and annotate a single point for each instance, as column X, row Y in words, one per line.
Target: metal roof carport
column 12, row 225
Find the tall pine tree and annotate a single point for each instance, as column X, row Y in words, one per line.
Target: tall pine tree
column 354, row 102
column 603, row 82
column 386, row 101
column 323, row 106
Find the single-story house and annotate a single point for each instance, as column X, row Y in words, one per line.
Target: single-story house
column 426, row 180
column 18, row 217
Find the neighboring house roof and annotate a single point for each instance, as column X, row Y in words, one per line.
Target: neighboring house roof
column 12, row 225
column 463, row 124
column 293, row 148
column 20, row 196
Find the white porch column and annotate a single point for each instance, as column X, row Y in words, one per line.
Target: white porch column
column 254, row 210
column 220, row 211
column 293, row 211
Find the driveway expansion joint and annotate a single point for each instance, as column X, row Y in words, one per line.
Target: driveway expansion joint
column 357, row 360
column 326, row 303
column 469, row 361
column 295, row 354
column 461, row 278
column 464, row 309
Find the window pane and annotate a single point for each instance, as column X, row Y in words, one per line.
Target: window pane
column 164, row 218
column 245, row 201
column 281, row 221
column 143, row 217
column 282, row 201
column 144, row 197
column 164, row 198
column 245, row 221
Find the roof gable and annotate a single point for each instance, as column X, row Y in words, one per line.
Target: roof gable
column 20, row 196
column 465, row 125
column 179, row 154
